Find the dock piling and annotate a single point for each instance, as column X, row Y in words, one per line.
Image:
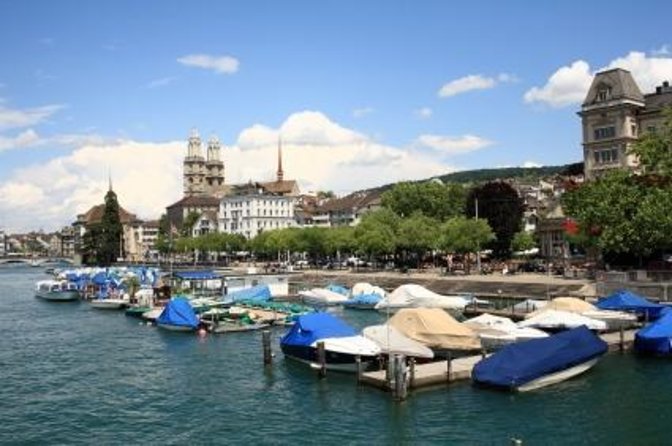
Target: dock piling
column 322, row 359
column 449, row 366
column 358, row 360
column 266, row 342
column 400, row 384
column 411, row 371
column 621, row 340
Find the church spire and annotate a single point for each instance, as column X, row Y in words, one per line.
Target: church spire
column 280, row 174
column 109, row 179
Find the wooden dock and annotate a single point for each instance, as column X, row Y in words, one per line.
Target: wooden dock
column 437, row 373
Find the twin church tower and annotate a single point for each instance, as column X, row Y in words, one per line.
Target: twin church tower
column 205, row 176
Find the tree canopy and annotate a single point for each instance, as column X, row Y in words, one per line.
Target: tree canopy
column 431, row 198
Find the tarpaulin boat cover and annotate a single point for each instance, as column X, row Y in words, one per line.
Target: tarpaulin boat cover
column 571, row 304
column 435, row 328
column 624, row 300
column 340, row 289
column 656, row 338
column 366, row 288
column 259, row 293
column 518, row 364
column 197, row 275
column 412, row 295
column 392, row 341
column 179, row 312
column 562, row 320
column 309, row 328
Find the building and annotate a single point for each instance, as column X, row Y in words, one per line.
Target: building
column 345, row 211
column 200, row 204
column 254, row 212
column 3, row 243
column 551, row 232
column 614, row 115
column 67, row 245
column 203, row 176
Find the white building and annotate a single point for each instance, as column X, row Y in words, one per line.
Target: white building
column 3, row 249
column 250, row 214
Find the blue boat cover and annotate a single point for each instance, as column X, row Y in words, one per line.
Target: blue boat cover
column 340, row 289
column 656, row 338
column 309, row 328
column 624, row 300
column 259, row 293
column 178, row 312
column 518, row 364
column 197, row 275
column 363, row 299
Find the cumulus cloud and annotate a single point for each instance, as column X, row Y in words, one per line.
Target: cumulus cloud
column 24, row 139
column 569, row 85
column 473, row 82
column 423, row 113
column 219, row 64
column 664, row 50
column 17, row 118
column 147, row 176
column 453, row 145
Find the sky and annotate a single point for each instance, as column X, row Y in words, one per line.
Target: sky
column 362, row 93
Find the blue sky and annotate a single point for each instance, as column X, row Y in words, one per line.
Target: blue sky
column 77, row 76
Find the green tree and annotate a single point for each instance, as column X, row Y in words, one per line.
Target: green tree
column 654, row 149
column 418, row 234
column 432, row 198
column 523, row 241
column 189, row 223
column 339, row 240
column 462, row 235
column 163, row 240
column 376, row 234
column 500, row 205
column 111, row 240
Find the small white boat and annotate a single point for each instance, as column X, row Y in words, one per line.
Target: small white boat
column 323, row 296
column 497, row 331
column 391, row 341
column 556, row 320
column 614, row 319
column 56, row 290
column 153, row 314
column 108, row 304
column 417, row 296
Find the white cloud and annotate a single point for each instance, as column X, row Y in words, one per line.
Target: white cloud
column 569, row 84
column 219, row 64
column 532, row 164
column 24, row 139
column 664, row 50
column 317, row 152
column 161, row 82
column 473, row 82
column 361, row 112
column 453, row 145
column 423, row 113
column 16, row 118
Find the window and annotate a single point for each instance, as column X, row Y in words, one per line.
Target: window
column 651, row 129
column 606, row 156
column 605, row 132
column 633, row 129
column 603, row 94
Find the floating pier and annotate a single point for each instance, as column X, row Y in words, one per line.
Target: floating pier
column 443, row 372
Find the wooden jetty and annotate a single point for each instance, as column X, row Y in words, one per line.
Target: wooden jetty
column 441, row 372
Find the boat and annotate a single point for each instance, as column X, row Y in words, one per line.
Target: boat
column 178, row 315
column 56, row 290
column 108, row 304
column 436, row 329
column 541, row 362
column 557, row 320
column 614, row 319
column 259, row 293
column 153, row 314
column 496, row 331
column 391, row 341
column 416, row 296
column 624, row 300
column 656, row 337
column 341, row 343
column 364, row 296
column 323, row 296
column 528, row 306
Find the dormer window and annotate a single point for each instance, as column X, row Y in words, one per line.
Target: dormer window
column 603, row 93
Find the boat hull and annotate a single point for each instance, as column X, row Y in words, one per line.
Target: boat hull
column 336, row 361
column 556, row 377
column 178, row 328
column 108, row 304
column 61, row 296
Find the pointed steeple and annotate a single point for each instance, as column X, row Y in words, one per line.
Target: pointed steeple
column 280, row 174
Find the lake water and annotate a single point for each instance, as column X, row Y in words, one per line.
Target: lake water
column 70, row 374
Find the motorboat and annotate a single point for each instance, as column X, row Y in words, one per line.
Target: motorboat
column 557, row 320
column 56, row 290
column 614, row 319
column 108, row 303
column 391, row 341
column 624, row 300
column 178, row 315
column 496, row 331
column 364, row 296
column 436, row 329
column 417, row 296
column 323, row 296
column 342, row 344
column 656, row 337
column 541, row 362
column 528, row 306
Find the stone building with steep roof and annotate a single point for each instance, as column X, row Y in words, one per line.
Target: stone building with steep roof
column 613, row 116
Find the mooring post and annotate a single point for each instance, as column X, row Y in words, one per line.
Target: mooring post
column 322, row 359
column 388, row 372
column 400, row 385
column 358, row 360
column 411, row 381
column 621, row 339
column 266, row 342
column 484, row 352
column 449, row 366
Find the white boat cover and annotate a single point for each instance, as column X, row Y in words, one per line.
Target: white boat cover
column 434, row 328
column 392, row 341
column 529, row 305
column 556, row 319
column 366, row 288
column 323, row 295
column 416, row 296
column 488, row 326
column 571, row 304
column 614, row 319
column 353, row 345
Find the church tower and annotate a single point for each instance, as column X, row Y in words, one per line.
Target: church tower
column 214, row 169
column 280, row 174
column 194, row 167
